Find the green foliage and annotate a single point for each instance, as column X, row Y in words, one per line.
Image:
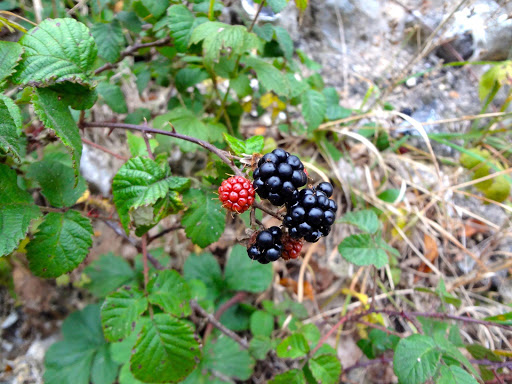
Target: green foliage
column 313, row 108
column 18, row 210
column 247, row 147
column 416, row 359
column 10, row 54
column 60, row 244
column 454, row 374
column 168, row 290
column 10, row 126
column 83, row 356
column 109, row 39
column 293, row 346
column 366, row 220
column 113, row 97
column 262, row 323
column 225, row 357
column 242, row 274
column 326, row 369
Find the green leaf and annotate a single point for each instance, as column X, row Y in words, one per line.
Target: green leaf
column 204, row 220
column 204, row 267
column 55, row 115
column 61, row 243
column 10, row 54
column 77, row 96
column 259, row 347
column 254, row 144
column 137, row 144
column 313, row 108
column 389, row 195
column 120, row 312
column 311, row 333
column 18, row 210
column 241, row 85
column 107, row 274
column 292, row 347
column 250, row 146
column 450, row 350
column 142, row 182
column 181, row 22
column 366, row 220
column 262, row 323
column 455, row 375
column 56, row 181
column 325, row 368
column 293, row 376
column 163, row 342
column 109, row 39
column 83, row 355
column 226, row 357
column 362, row 250
column 285, row 41
column 10, row 126
column 169, row 291
column 266, row 31
column 55, row 51
column 187, row 77
column 104, row 369
column 242, row 274
column 504, row 318
column 113, row 97
column 416, row 359
column 277, row 5
column 122, row 350
column 269, row 76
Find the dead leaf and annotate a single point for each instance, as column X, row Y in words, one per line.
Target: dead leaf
column 431, row 253
column 293, row 286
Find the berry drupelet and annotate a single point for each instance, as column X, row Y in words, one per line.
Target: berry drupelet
column 278, row 177
column 267, row 247
column 236, row 194
column 291, row 247
column 311, row 214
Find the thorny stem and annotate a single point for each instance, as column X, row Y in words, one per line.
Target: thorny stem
column 131, row 50
column 223, row 308
column 164, row 232
column 141, row 128
column 211, row 319
column 104, row 149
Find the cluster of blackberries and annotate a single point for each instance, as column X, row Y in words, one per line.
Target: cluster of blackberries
column 312, row 213
column 267, row 247
column 278, row 177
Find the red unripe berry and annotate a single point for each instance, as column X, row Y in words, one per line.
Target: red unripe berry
column 291, row 247
column 236, row 194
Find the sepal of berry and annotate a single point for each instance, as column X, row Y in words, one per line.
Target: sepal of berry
column 236, row 194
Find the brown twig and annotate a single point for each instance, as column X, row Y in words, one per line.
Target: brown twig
column 164, row 232
column 211, row 319
column 141, row 128
column 104, row 149
column 267, row 210
column 240, row 296
column 131, row 50
column 145, row 261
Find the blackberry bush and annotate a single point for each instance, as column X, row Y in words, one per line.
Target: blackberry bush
column 278, row 177
column 267, row 246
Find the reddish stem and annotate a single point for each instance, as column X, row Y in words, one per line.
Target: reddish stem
column 240, row 296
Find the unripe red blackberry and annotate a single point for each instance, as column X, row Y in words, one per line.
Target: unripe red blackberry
column 236, row 194
column 291, row 247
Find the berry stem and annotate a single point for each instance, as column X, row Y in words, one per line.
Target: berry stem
column 240, row 296
column 143, row 128
column 267, row 210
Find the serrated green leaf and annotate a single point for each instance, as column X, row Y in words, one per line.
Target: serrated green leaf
column 204, row 220
column 254, row 144
column 56, row 50
column 163, row 342
column 156, row 7
column 450, row 350
column 10, row 126
column 130, row 21
column 241, row 85
column 109, row 39
column 259, row 347
column 187, row 77
column 142, row 182
column 236, row 145
column 169, row 290
column 204, row 267
column 455, row 375
column 18, row 210
column 113, row 97
column 57, row 182
column 108, row 273
column 311, row 333
column 277, row 5
column 181, row 22
column 122, row 350
column 55, row 115
column 362, row 250
column 325, row 368
column 104, row 369
column 120, row 311
column 292, row 347
column 293, row 376
column 10, row 53
column 226, row 357
column 365, row 220
column 61, row 243
column 313, row 108
column 77, row 96
column 243, row 274
column 269, row 76
column 83, row 355
column 262, row 323
column 126, row 376
column 416, row 359
column 265, row 31
column 285, row 41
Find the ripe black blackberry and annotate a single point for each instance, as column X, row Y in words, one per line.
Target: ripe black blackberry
column 278, row 177
column 312, row 213
column 267, row 246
